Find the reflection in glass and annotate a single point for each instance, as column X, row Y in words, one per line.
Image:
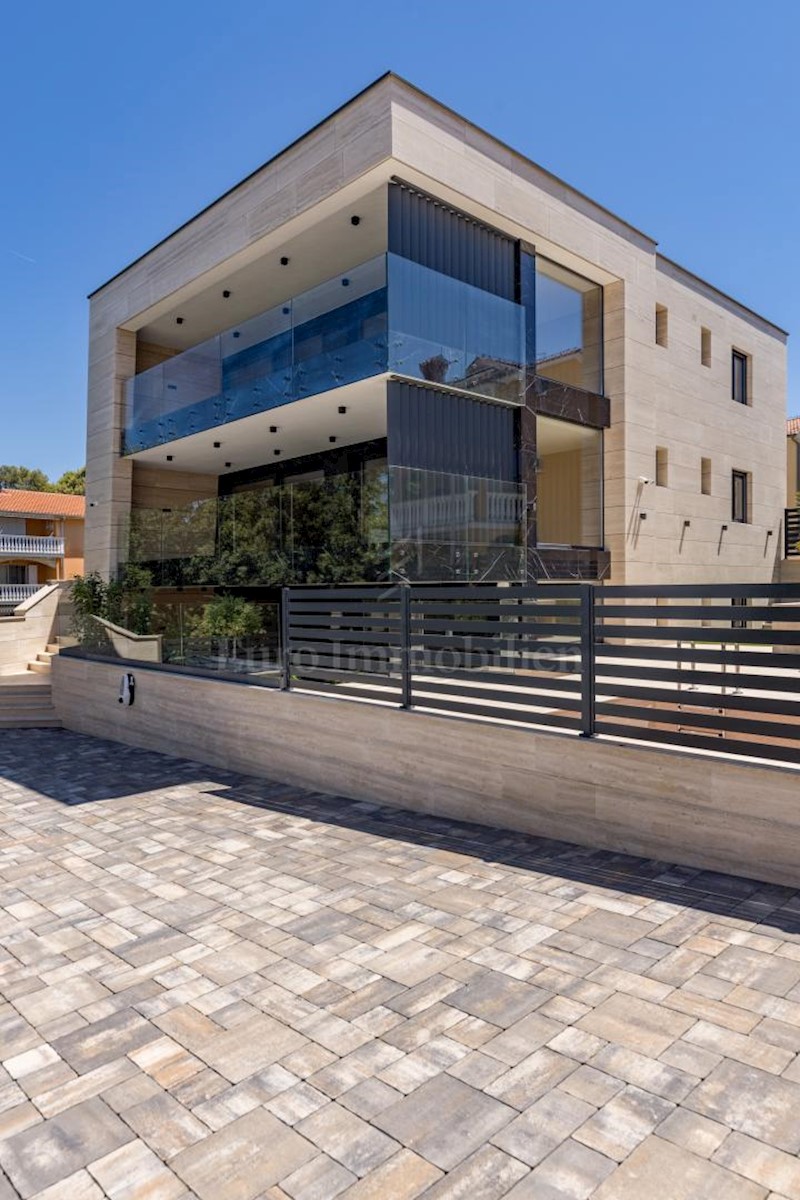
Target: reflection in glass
column 569, row 327
column 569, row 484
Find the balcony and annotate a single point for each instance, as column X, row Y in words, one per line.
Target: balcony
column 14, row 593
column 20, row 546
column 386, row 315
column 791, row 533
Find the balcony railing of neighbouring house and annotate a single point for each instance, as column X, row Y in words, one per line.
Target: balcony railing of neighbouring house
column 791, row 533
column 15, row 593
column 386, row 315
column 40, row 547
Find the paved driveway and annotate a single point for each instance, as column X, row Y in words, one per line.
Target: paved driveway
column 220, row 987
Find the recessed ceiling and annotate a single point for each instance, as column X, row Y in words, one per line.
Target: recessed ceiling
column 304, row 427
column 328, row 248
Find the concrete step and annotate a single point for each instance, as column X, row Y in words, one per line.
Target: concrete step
column 46, row 656
column 27, row 700
column 52, row 648
column 41, row 668
column 45, row 719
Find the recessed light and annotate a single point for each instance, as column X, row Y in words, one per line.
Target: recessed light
column 284, row 261
column 226, row 295
column 342, row 409
column 169, row 458
column 345, row 282
column 273, row 428
column 331, row 438
column 236, row 333
column 217, row 445
column 179, row 320
column 228, row 464
column 355, row 220
column 276, row 451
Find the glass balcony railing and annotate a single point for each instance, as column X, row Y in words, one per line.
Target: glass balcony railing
column 388, row 314
column 401, row 523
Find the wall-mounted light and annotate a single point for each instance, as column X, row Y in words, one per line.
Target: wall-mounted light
column 724, row 527
column 686, row 524
column 642, row 516
column 355, row 220
column 342, row 409
column 226, row 295
column 769, row 533
column 284, row 260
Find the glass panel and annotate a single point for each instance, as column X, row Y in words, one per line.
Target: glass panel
column 332, row 335
column 569, row 484
column 446, row 331
column 455, row 526
column 569, row 327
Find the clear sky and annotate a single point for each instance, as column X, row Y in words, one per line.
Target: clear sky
column 121, row 121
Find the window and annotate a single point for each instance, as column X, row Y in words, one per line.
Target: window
column 705, row 476
column 705, row 346
column 662, row 466
column 662, row 321
column 740, row 497
column 569, row 327
column 739, row 382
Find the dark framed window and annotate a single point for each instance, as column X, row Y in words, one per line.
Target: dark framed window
column 739, row 377
column 740, row 497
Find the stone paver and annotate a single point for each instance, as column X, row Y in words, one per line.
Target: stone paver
column 216, row 986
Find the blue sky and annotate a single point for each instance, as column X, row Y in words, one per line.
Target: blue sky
column 119, row 122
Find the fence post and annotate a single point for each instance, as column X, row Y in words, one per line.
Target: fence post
column 286, row 654
column 588, row 683
column 405, row 644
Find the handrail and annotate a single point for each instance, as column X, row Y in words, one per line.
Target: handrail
column 12, row 543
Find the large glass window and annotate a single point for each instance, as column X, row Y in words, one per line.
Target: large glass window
column 569, row 484
column 569, row 327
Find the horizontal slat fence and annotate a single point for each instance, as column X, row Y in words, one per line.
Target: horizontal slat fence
column 703, row 667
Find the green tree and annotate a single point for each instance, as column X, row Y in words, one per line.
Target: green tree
column 229, row 618
column 28, row 478
column 72, row 482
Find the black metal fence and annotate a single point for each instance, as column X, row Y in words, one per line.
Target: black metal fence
column 706, row 667
column 791, row 533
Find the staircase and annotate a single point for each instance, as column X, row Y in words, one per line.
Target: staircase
column 26, row 703
column 41, row 664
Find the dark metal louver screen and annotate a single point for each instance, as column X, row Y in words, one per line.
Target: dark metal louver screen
column 439, row 431
column 431, row 233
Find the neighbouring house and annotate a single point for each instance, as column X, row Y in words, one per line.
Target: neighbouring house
column 41, row 542
column 401, row 350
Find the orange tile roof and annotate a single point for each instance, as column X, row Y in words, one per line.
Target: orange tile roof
column 45, row 504
column 792, row 426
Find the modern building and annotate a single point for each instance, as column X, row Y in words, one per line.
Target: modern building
column 41, row 541
column 400, row 349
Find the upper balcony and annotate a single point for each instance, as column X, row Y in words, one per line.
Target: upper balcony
column 388, row 315
column 20, row 546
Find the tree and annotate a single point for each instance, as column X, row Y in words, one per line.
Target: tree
column 72, row 482
column 28, row 478
column 230, row 619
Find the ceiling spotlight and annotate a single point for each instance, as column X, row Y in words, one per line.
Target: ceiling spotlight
column 345, row 282
column 179, row 320
column 276, row 452
column 284, row 261
column 217, row 445
column 273, row 428
column 226, row 295
column 342, row 409
column 354, row 220
column 285, row 311
column 331, row 438
column 228, row 464
column 169, row 458
column 236, row 333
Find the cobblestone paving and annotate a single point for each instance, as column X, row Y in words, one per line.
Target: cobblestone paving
column 219, row 987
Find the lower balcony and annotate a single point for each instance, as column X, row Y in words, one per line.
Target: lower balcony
column 12, row 594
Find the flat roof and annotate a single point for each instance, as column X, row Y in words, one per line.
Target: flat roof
column 459, row 116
